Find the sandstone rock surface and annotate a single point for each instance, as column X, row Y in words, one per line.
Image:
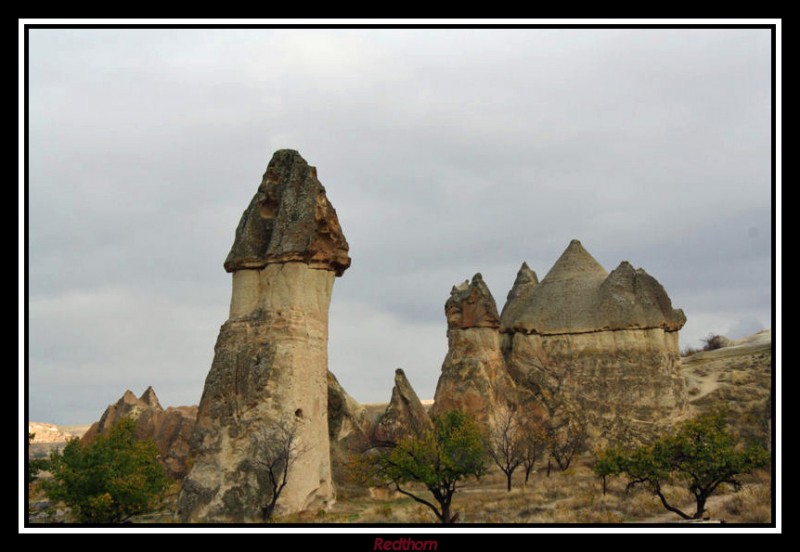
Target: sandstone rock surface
column 171, row 428
column 271, row 357
column 404, row 416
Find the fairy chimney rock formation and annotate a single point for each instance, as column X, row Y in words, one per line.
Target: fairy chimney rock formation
column 607, row 343
column 404, row 416
column 271, row 358
column 474, row 377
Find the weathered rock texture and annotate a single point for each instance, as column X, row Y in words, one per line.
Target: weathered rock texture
column 606, row 343
column 271, row 357
column 404, row 416
column 171, row 428
column 474, row 378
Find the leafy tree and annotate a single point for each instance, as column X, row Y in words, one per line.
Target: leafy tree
column 110, row 480
column 276, row 450
column 439, row 459
column 609, row 462
column 701, row 455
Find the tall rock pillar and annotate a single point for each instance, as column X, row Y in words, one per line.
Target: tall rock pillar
column 474, row 379
column 271, row 357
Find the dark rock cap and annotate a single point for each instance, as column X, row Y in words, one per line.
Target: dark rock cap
column 289, row 220
column 471, row 305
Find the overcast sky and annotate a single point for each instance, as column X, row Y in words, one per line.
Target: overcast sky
column 444, row 152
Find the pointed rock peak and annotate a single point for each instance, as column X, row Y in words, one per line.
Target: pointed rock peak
column 525, row 276
column 574, row 262
column 128, row 398
column 471, row 305
column 402, row 388
column 623, row 273
column 149, row 398
column 405, row 414
column 524, row 283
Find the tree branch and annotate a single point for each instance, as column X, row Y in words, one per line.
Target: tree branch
column 420, row 500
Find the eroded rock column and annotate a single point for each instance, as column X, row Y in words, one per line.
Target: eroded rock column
column 271, row 358
column 474, row 377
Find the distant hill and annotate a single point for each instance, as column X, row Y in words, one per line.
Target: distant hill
column 49, row 437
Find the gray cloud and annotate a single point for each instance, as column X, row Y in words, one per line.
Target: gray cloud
column 445, row 153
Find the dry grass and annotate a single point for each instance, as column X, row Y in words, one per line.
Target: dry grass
column 574, row 496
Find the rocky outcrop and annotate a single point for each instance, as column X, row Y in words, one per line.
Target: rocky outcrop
column 605, row 343
column 347, row 420
column 404, row 416
column 171, row 428
column 270, row 362
column 474, row 378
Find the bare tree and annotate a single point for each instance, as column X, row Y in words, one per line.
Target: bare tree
column 505, row 442
column 533, row 444
column 276, row 450
column 566, row 437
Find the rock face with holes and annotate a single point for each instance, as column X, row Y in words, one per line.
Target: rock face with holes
column 474, row 378
column 271, row 357
column 603, row 344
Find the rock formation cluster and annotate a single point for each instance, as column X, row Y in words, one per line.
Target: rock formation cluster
column 170, row 428
column 581, row 340
column 270, row 362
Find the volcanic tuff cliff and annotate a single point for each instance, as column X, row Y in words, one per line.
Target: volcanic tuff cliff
column 270, row 362
column 581, row 340
column 170, row 428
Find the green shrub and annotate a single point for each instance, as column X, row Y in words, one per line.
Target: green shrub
column 110, row 480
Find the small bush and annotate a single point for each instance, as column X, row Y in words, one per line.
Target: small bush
column 713, row 342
